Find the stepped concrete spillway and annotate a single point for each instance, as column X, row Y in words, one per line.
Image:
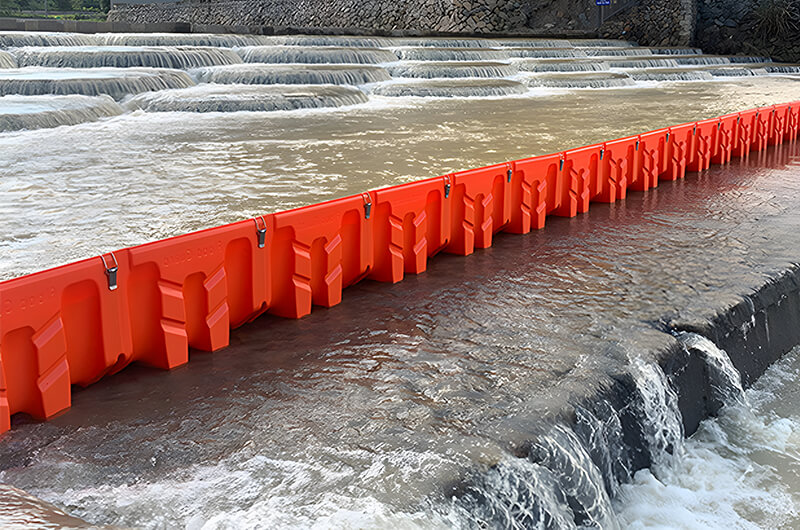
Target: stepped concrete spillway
column 523, row 384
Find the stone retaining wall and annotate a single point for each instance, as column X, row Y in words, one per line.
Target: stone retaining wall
column 377, row 16
column 732, row 26
column 655, row 23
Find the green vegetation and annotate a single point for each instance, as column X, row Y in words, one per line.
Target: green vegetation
column 77, row 9
column 777, row 18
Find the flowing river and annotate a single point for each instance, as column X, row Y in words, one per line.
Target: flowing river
column 433, row 402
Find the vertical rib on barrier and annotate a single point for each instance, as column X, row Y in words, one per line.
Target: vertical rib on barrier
column 536, row 190
column 617, row 163
column 481, row 207
column 412, row 222
column 317, row 251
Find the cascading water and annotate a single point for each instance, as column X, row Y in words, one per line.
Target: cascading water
column 538, row 43
column 39, row 112
column 602, row 43
column 433, row 70
column 736, row 72
column 445, row 43
column 124, row 57
column 660, row 417
column 579, row 80
column 461, row 88
column 748, row 59
column 702, row 61
column 175, row 39
column 330, row 40
column 545, row 53
column 726, row 382
column 116, row 83
column 19, row 39
column 654, row 62
column 314, row 55
column 555, row 485
column 450, row 54
column 237, row 98
column 560, row 65
column 303, row 74
column 671, row 75
column 7, row 60
column 676, row 51
column 618, row 52
column 782, row 68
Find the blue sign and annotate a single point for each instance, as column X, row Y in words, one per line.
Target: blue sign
column 602, row 2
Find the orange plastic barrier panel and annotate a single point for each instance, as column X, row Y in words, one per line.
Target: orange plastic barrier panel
column 793, row 122
column 190, row 290
column 704, row 140
column 62, row 326
column 76, row 323
column 651, row 150
column 726, row 138
column 762, row 128
column 617, row 164
column 536, row 189
column 778, row 124
column 680, row 148
column 581, row 174
column 412, row 222
column 317, row 251
column 481, row 207
column 745, row 133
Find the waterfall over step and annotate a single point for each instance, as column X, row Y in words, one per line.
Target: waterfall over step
column 115, row 82
column 662, row 424
column 291, row 74
column 736, row 72
column 445, row 43
column 180, row 39
column 782, row 68
column 617, row 52
column 560, row 65
column 702, row 60
column 726, row 382
column 124, row 57
column 450, row 54
column 450, row 88
column 671, row 75
column 555, row 485
column 7, row 60
column 676, row 51
column 602, row 43
column 653, row 62
column 331, row 40
column 580, row 80
column 545, row 52
column 315, row 55
column 451, row 69
column 748, row 59
column 535, row 43
column 39, row 112
column 13, row 39
column 252, row 98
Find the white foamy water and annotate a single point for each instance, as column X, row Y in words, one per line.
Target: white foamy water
column 739, row 470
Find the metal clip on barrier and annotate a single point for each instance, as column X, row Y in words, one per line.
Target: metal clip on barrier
column 111, row 272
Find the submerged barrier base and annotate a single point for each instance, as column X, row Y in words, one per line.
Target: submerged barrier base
column 79, row 322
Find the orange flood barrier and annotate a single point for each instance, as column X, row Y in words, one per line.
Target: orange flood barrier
column 73, row 324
